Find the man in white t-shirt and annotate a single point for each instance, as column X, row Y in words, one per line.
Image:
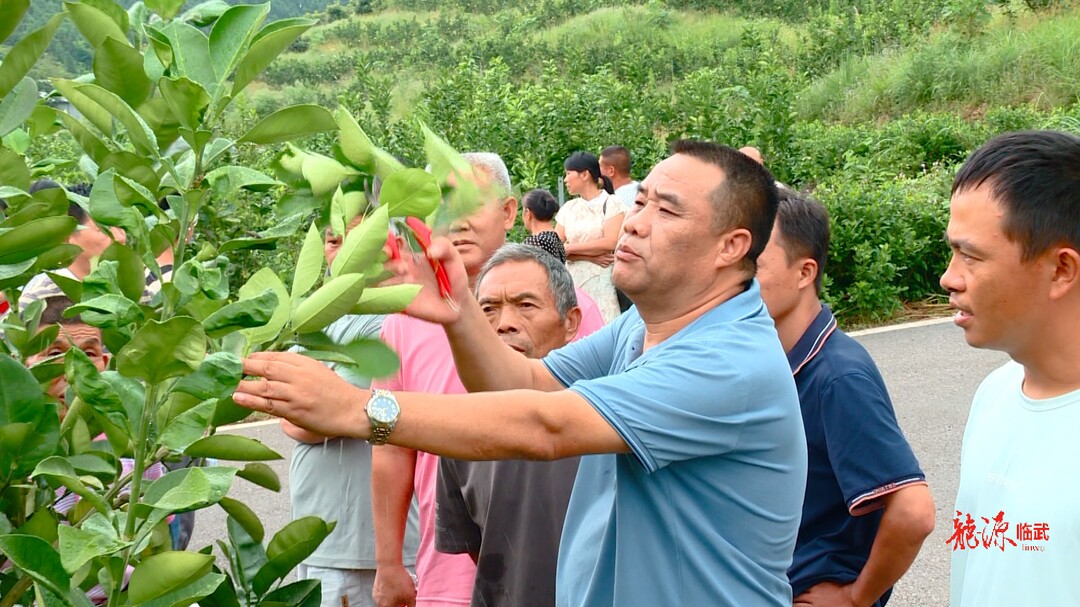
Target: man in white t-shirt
column 615, row 165
column 1014, row 278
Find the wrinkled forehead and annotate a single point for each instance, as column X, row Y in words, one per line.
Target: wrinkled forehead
column 80, row 334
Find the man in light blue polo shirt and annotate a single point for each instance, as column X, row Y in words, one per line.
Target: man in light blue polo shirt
column 692, row 487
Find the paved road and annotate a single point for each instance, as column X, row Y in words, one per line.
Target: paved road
column 931, row 373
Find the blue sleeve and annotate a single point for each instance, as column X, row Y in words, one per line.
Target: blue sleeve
column 587, row 358
column 682, row 402
column 869, row 454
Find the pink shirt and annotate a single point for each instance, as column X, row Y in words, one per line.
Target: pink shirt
column 427, row 365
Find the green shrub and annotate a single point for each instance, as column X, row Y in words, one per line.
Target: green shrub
column 887, row 244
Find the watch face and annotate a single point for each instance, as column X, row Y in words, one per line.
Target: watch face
column 383, row 409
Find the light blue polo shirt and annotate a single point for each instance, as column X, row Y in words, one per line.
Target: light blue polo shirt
column 705, row 511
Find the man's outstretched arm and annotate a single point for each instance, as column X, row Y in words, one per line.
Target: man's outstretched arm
column 516, row 424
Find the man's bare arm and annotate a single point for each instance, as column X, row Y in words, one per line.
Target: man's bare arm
column 516, row 424
column 907, row 521
column 392, row 473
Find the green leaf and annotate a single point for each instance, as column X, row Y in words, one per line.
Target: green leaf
column 227, row 180
column 231, row 447
column 18, row 391
column 160, row 350
column 166, row 572
column 329, row 303
column 245, row 516
column 356, row 146
column 370, row 357
column 344, row 207
column 94, row 390
column 167, row 9
column 373, row 357
column 288, row 548
column 309, row 264
column 187, row 427
column 90, row 143
column 131, row 271
column 385, row 300
column 270, row 42
column 186, row 98
column 243, row 314
column 191, row 54
column 13, row 171
column 205, row 13
column 189, row 489
column 217, row 377
column 95, row 537
column 228, row 412
column 38, row 559
column 451, row 170
column 112, row 10
column 258, row 283
column 107, row 311
column 90, row 109
column 410, row 192
column 362, row 245
column 17, row 107
column 25, row 53
column 119, row 68
column 231, row 35
column 137, row 129
column 304, row 593
column 61, row 472
column 249, row 555
column 290, row 123
column 190, row 594
column 260, row 474
column 34, row 238
column 94, row 24
column 324, row 174
column 14, row 10
column 105, row 206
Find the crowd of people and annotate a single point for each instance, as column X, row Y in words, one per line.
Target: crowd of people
column 647, row 403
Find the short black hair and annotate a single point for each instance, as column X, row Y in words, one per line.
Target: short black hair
column 618, row 157
column 53, row 314
column 804, row 230
column 745, row 198
column 541, row 203
column 1035, row 177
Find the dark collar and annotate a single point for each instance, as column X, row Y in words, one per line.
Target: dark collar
column 812, row 340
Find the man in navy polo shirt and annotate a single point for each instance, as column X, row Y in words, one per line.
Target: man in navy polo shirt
column 867, row 508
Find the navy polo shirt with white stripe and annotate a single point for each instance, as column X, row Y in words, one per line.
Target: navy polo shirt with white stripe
column 857, row 454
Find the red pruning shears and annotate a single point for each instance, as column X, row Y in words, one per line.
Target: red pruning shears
column 423, row 237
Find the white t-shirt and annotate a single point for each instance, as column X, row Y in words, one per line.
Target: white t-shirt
column 1019, row 486
column 626, row 195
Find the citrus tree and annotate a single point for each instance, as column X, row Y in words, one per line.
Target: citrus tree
column 149, row 122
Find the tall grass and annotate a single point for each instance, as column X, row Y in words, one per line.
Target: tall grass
column 1031, row 61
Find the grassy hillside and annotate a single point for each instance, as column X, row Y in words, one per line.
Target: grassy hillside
column 868, row 104
column 871, row 104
